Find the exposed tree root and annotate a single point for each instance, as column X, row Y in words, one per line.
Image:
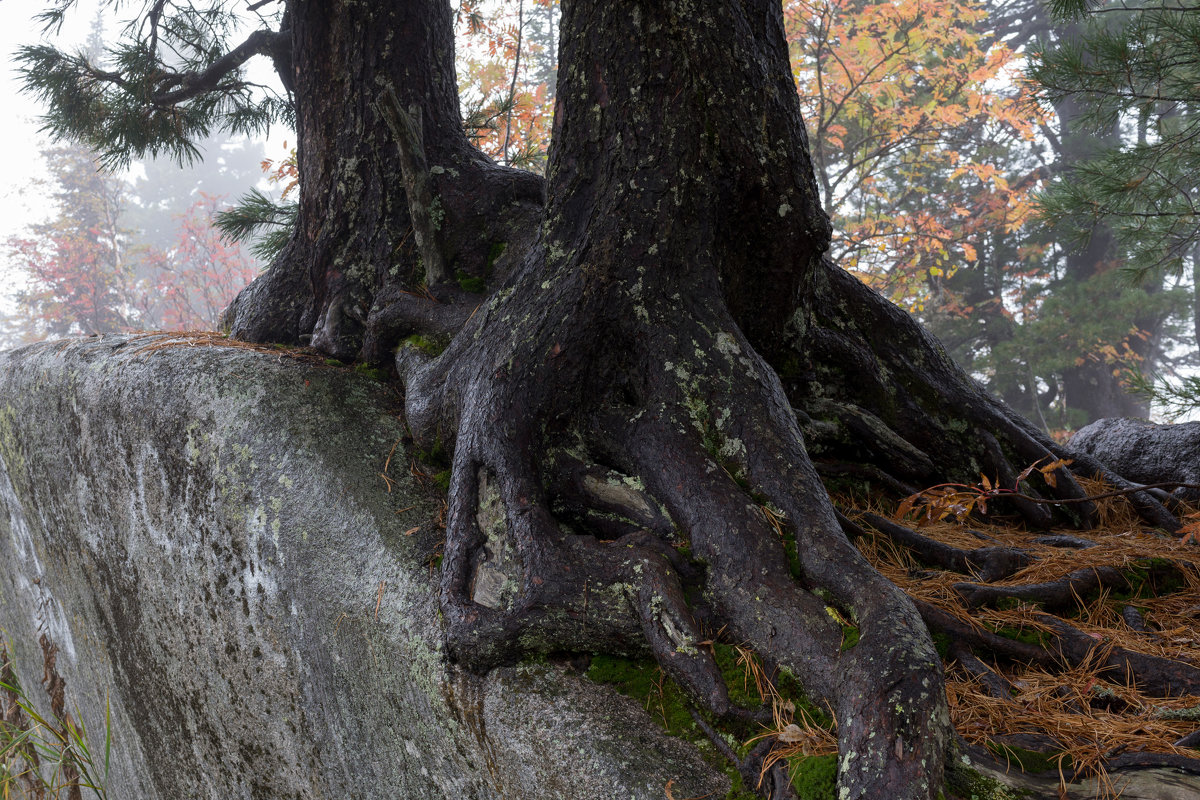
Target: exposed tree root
column 1030, row 680
column 1053, row 594
column 988, row 563
column 567, row 504
column 628, row 510
column 871, row 359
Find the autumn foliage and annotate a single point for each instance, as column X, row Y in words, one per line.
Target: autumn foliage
column 909, row 135
column 507, row 60
column 86, row 273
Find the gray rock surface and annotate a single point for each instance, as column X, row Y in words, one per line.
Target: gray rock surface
column 1144, row 451
column 207, row 536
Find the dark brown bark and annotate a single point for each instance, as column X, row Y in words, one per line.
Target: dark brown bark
column 681, row 229
column 353, row 235
column 612, row 398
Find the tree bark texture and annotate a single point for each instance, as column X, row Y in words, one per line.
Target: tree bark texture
column 681, row 230
column 353, row 242
column 621, row 436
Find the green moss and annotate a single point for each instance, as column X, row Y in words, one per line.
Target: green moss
column 1151, row 577
column 849, row 637
column 470, row 283
column 436, row 455
column 1034, row 637
column 333, row 362
column 645, row 682
column 969, row 784
column 430, row 346
column 494, row 252
column 814, row 777
column 738, row 679
column 668, row 706
column 1030, row 760
column 941, row 643
column 374, row 373
column 442, row 479
column 737, row 788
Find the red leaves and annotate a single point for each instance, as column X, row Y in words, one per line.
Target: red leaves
column 87, row 274
column 959, row 500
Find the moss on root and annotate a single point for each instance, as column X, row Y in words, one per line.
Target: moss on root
column 429, row 345
column 963, row 782
column 814, row 777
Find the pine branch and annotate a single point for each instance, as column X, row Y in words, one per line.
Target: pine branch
column 254, row 212
column 194, row 84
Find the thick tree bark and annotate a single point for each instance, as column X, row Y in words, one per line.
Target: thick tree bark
column 682, row 228
column 354, row 244
column 612, row 404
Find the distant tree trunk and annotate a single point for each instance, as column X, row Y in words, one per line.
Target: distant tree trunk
column 1092, row 387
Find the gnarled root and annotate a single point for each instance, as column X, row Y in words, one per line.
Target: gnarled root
column 880, row 389
column 580, row 460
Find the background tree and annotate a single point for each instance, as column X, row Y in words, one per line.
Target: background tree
column 81, row 275
column 1129, row 76
column 911, row 145
column 197, row 277
column 614, row 355
column 508, row 59
column 90, row 271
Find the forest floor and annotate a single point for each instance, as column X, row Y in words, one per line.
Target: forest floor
column 1072, row 657
column 1069, row 653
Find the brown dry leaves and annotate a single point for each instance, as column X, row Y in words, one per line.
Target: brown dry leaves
column 1088, row 717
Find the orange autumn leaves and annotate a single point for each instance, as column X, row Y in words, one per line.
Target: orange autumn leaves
column 914, row 117
column 508, row 119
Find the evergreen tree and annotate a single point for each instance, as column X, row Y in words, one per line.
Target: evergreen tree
column 79, row 267
column 1130, row 75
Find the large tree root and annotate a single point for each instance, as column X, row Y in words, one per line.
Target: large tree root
column 1108, row 674
column 629, row 510
column 569, row 491
column 880, row 385
column 574, row 489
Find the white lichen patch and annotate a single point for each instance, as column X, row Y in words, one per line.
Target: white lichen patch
column 679, row 370
column 619, row 493
column 727, row 345
column 495, row 583
column 731, row 449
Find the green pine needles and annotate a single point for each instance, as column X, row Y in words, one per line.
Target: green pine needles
column 174, row 77
column 260, row 220
column 1133, row 67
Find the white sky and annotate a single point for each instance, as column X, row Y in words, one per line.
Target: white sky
column 21, row 203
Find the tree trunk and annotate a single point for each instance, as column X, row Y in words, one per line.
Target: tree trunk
column 618, row 381
column 1092, row 388
column 353, row 251
column 621, row 439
